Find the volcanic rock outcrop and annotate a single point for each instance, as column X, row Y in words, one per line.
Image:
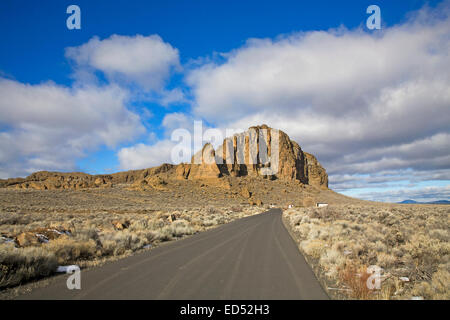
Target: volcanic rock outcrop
column 252, row 153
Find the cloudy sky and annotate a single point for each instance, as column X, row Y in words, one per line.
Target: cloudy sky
column 372, row 105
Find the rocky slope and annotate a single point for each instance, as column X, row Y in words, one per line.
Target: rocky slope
column 238, row 156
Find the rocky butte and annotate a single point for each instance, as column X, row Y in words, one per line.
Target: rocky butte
column 238, row 156
column 293, row 162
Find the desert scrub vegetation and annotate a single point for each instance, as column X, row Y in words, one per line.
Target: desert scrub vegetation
column 32, row 245
column 19, row 265
column 409, row 242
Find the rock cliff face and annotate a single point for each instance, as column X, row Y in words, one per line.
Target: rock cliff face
column 252, row 153
column 203, row 164
column 317, row 176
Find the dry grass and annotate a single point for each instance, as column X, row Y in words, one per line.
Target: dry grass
column 409, row 242
column 355, row 277
column 19, row 265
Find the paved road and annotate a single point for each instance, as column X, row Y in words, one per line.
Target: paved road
column 251, row 258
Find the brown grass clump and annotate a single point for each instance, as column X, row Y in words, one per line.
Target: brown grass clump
column 20, row 265
column 68, row 251
column 313, row 248
column 355, row 277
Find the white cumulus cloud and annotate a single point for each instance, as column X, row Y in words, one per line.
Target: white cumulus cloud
column 141, row 156
column 363, row 102
column 144, row 60
column 48, row 127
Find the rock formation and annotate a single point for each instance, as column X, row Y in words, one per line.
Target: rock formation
column 317, row 176
column 251, row 153
column 203, row 164
column 242, row 155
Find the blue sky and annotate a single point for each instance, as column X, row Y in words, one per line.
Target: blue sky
column 35, row 35
column 203, row 45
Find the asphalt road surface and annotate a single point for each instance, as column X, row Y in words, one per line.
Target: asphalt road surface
column 250, row 258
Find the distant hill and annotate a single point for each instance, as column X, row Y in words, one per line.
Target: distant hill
column 408, row 201
column 431, row 202
column 441, row 202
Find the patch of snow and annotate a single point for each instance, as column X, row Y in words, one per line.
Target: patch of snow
column 6, row 239
column 339, row 289
column 65, row 268
column 61, row 232
column 41, row 237
column 404, row 279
